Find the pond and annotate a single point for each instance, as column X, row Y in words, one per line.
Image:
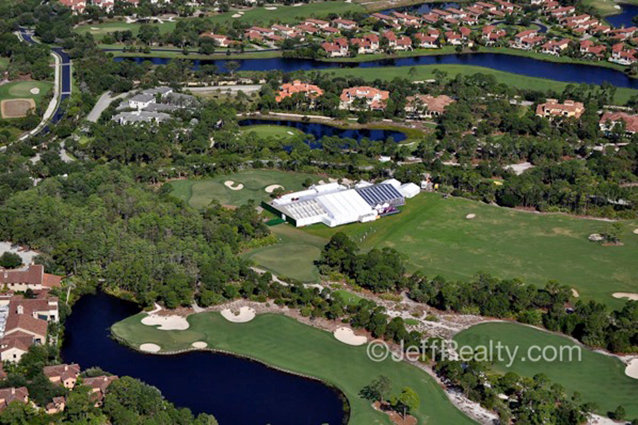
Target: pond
column 624, row 18
column 237, row 391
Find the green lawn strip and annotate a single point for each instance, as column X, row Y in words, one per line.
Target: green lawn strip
column 202, row 192
column 99, row 30
column 264, row 131
column 21, row 89
column 4, row 63
column 598, row 378
column 292, row 256
column 287, row 344
column 260, row 16
column 348, row 297
column 192, row 55
column 435, row 237
column 424, row 72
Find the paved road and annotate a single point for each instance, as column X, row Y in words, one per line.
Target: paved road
column 102, row 103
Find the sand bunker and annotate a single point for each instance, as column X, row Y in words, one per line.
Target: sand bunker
column 347, row 336
column 636, row 231
column 470, row 216
column 166, row 323
column 575, row 293
column 232, row 186
column 632, row 369
column 245, row 314
column 270, row 8
column 273, row 187
column 150, row 348
column 236, row 15
column 199, row 344
column 625, row 295
column 34, row 90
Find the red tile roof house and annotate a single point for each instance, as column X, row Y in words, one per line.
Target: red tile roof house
column 469, row 20
column 77, row 6
column 65, row 374
column 622, row 54
column 555, row 47
column 43, row 307
column 371, row 97
column 10, row 395
column 390, row 20
column 57, row 405
column 622, row 33
column 526, row 40
column 454, row 38
column 560, row 11
column 426, row 106
column 336, row 48
column 318, row 23
column 33, row 278
column 407, row 20
column 98, row 386
column 344, row 24
column 610, row 119
column 551, row 108
column 431, row 18
column 262, row 31
column 425, row 41
column 306, row 29
column 364, row 45
column 490, row 34
column 587, row 48
column 284, row 30
column 218, row 39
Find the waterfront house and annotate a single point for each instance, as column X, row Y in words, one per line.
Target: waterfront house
column 63, row 374
column 553, row 109
column 344, row 24
column 363, row 97
column 426, row 41
column 98, row 386
column 336, row 48
column 555, row 47
column 219, row 40
column 33, row 277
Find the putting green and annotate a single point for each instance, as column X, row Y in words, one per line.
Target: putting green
column 22, row 89
column 280, row 132
column 598, row 378
column 285, row 343
column 436, row 238
column 200, row 193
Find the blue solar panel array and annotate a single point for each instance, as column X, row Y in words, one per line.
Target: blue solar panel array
column 380, row 194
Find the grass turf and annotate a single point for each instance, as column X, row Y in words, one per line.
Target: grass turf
column 100, row 30
column 272, row 131
column 292, row 257
column 607, row 7
column 21, row 89
column 287, row 14
column 285, row 343
column 435, row 237
column 598, row 378
column 200, row 193
column 425, row 72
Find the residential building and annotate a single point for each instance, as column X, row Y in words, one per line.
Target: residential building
column 336, row 48
column 555, row 47
column 552, row 109
column 57, row 405
column 12, row 394
column 427, row 106
column 609, row 120
column 344, row 24
column 365, row 97
column 63, row 374
column 288, row 89
column 33, row 277
column 98, row 386
column 426, row 41
column 219, row 39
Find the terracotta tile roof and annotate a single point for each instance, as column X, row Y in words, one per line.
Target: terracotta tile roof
column 289, row 89
column 433, row 103
column 552, row 107
column 32, row 275
column 9, row 395
column 99, row 383
column 26, row 323
column 631, row 121
column 62, row 371
column 19, row 340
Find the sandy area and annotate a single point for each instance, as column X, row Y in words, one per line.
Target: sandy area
column 150, row 348
column 270, row 8
column 245, row 314
column 347, row 336
column 575, row 293
column 236, row 15
column 27, row 256
column 636, row 231
column 166, row 323
column 232, row 186
column 34, row 90
column 629, row 295
column 632, row 369
column 272, row 187
column 470, row 216
column 199, row 344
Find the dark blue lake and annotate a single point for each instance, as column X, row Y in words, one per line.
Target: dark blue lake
column 319, row 130
column 567, row 72
column 421, row 8
column 237, row 391
column 624, row 19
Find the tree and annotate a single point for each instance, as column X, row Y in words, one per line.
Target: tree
column 377, row 390
column 232, row 66
column 10, row 260
column 407, row 401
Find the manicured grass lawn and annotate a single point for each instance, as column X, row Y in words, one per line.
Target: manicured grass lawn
column 99, row 30
column 606, row 7
column 199, row 193
column 292, row 257
column 277, row 131
column 288, row 14
column 285, row 343
column 424, row 72
column 350, row 298
column 4, row 63
column 436, row 238
column 598, row 378
column 21, row 89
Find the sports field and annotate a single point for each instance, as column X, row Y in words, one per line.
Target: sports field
column 436, row 238
column 279, row 132
column 287, row 14
column 199, row 193
column 425, row 72
column 285, row 343
column 598, row 378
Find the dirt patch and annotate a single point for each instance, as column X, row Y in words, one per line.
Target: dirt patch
column 394, row 416
column 17, row 108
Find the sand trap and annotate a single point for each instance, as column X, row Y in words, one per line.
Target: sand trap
column 199, row 344
column 270, row 8
column 150, row 348
column 34, row 90
column 625, row 295
column 231, row 185
column 166, row 323
column 246, row 314
column 347, row 336
column 470, row 216
column 95, row 29
column 575, row 293
column 632, row 369
column 636, row 231
column 273, row 187
column 236, row 15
